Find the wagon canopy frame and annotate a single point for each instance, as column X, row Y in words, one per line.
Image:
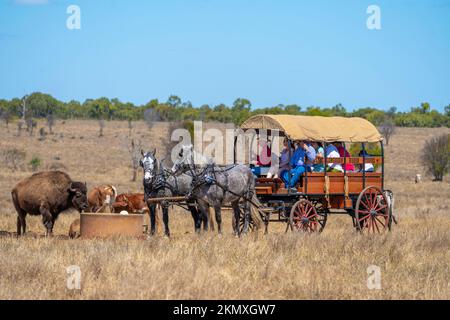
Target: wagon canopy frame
column 316, row 128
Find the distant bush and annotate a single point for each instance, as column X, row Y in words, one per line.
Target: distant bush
column 35, row 163
column 436, row 156
column 12, row 158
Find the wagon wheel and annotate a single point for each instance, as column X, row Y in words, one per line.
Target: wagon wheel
column 323, row 211
column 251, row 223
column 304, row 217
column 372, row 214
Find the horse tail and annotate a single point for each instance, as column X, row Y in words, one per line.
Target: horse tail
column 256, row 211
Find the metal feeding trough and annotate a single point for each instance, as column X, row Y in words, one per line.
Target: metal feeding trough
column 104, row 225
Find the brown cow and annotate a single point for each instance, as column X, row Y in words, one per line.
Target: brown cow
column 47, row 193
column 133, row 203
column 101, row 198
column 130, row 202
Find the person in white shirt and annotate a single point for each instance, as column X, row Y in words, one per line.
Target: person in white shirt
column 368, row 167
column 332, row 152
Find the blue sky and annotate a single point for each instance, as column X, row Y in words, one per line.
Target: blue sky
column 208, row 51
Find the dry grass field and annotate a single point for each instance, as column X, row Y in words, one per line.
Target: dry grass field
column 414, row 258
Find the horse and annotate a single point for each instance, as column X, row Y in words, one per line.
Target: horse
column 218, row 186
column 159, row 183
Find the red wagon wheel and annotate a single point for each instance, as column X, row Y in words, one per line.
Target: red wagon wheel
column 371, row 212
column 304, row 217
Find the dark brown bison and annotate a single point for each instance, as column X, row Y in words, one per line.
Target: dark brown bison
column 47, row 194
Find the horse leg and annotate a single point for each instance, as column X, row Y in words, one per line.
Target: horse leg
column 165, row 209
column 197, row 219
column 152, row 212
column 205, row 218
column 237, row 214
column 203, row 213
column 246, row 217
column 217, row 209
column 210, row 219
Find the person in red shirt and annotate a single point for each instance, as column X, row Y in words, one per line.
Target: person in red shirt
column 344, row 153
column 266, row 161
column 264, row 158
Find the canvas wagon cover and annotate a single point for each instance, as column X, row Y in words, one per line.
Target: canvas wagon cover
column 317, row 128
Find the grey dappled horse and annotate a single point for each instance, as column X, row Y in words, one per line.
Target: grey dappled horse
column 218, row 186
column 159, row 183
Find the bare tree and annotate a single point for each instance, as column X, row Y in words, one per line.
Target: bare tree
column 387, row 130
column 50, row 122
column 31, row 124
column 19, row 127
column 436, row 156
column 130, row 126
column 150, row 117
column 101, row 124
column 5, row 115
column 134, row 149
column 24, row 107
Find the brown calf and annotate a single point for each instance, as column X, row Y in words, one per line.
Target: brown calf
column 101, row 198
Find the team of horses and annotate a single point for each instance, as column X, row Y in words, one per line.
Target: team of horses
column 201, row 186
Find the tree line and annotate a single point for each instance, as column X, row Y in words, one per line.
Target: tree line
column 41, row 105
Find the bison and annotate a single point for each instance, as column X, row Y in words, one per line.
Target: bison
column 47, row 194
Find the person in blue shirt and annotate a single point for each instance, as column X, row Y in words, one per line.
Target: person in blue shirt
column 301, row 160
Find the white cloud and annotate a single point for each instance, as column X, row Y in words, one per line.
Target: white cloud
column 31, row 2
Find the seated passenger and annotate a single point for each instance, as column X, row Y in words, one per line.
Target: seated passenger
column 368, row 166
column 332, row 152
column 301, row 161
column 318, row 167
column 344, row 153
column 274, row 164
column 285, row 157
column 264, row 159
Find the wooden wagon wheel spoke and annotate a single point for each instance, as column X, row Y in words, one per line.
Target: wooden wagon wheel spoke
column 368, row 202
column 374, row 221
column 380, row 222
column 381, row 208
column 365, row 205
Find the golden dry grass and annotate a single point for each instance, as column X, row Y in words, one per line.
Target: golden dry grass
column 413, row 258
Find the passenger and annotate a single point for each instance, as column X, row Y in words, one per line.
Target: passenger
column 344, row 153
column 368, row 166
column 303, row 153
column 264, row 159
column 274, row 163
column 332, row 152
column 318, row 167
column 285, row 157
